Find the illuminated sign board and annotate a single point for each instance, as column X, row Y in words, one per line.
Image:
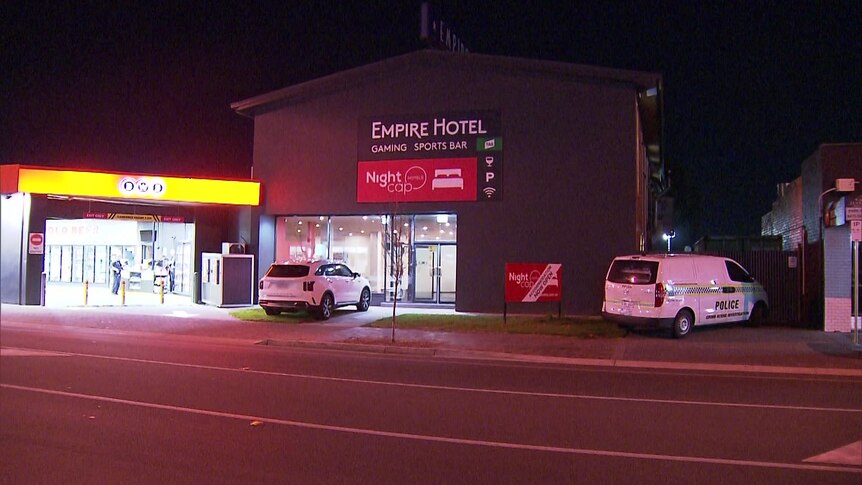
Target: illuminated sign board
column 533, row 282
column 443, row 179
column 142, row 187
column 412, row 144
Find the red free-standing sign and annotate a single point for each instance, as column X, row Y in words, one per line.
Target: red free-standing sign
column 532, row 282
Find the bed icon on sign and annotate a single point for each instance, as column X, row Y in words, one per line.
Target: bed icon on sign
column 447, row 178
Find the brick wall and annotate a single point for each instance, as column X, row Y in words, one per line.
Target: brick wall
column 785, row 219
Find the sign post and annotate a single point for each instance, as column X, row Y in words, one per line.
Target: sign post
column 533, row 282
column 856, row 237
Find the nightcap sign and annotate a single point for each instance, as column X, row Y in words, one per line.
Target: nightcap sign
column 533, row 282
column 430, row 158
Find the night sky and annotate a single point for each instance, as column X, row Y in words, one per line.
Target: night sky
column 752, row 88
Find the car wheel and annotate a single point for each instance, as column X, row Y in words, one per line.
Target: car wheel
column 364, row 300
column 682, row 324
column 271, row 311
column 324, row 311
column 757, row 314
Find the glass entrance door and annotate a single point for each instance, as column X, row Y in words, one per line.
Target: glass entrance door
column 435, row 273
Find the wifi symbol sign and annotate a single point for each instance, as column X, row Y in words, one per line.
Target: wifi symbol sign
column 489, row 191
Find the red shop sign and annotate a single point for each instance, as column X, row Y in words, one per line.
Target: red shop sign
column 419, row 180
column 531, row 282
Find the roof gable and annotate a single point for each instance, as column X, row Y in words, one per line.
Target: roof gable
column 434, row 58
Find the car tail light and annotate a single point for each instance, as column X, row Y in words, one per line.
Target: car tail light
column 659, row 294
column 307, row 286
column 260, row 285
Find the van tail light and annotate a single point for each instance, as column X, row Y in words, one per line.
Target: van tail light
column 660, row 293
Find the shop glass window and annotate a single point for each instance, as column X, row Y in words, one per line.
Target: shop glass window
column 398, row 242
column 359, row 242
column 436, row 228
column 301, row 238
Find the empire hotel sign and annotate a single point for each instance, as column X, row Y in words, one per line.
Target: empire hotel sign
column 433, row 158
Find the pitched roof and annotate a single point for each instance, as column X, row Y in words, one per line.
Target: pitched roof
column 428, row 57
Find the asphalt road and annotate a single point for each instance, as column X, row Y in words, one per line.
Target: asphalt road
column 94, row 406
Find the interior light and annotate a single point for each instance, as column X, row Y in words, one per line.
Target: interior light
column 442, row 231
column 322, row 218
column 364, row 218
column 448, row 224
column 317, row 225
column 350, row 234
column 406, row 224
column 299, row 230
column 442, row 218
column 362, row 231
column 340, row 228
column 424, row 228
column 451, row 233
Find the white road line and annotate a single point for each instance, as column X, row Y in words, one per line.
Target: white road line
column 14, row 352
column 478, row 390
column 444, row 439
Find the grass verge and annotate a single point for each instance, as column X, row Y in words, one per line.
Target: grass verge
column 577, row 327
column 258, row 315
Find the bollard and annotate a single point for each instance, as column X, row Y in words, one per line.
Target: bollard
column 43, row 287
column 86, row 291
column 162, row 292
column 122, row 293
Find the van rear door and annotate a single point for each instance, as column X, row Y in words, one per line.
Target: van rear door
column 630, row 287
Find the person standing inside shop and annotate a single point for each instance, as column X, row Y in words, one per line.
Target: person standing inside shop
column 117, row 269
column 171, row 276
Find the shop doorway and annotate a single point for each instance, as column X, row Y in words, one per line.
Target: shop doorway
column 435, row 273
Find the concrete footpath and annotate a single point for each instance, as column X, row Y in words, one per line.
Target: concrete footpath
column 731, row 348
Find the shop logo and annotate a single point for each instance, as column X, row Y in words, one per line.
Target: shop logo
column 143, row 186
column 414, row 178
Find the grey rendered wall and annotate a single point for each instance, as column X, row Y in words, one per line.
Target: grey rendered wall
column 570, row 171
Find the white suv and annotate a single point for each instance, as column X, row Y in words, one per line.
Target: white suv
column 317, row 286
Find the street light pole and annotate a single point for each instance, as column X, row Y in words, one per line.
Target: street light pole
column 668, row 236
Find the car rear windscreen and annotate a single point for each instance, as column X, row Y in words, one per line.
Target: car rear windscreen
column 633, row 272
column 288, row 271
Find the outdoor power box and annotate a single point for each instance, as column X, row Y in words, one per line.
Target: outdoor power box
column 845, row 185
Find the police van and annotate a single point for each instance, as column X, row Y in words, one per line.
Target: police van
column 680, row 291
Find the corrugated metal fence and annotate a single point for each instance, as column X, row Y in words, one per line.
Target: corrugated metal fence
column 780, row 274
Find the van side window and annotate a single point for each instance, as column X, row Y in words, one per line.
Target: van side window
column 736, row 273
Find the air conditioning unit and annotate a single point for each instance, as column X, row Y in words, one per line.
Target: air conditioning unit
column 232, row 248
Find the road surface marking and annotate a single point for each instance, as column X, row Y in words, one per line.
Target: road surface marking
column 845, row 455
column 13, row 352
column 181, row 314
column 444, row 439
column 476, row 390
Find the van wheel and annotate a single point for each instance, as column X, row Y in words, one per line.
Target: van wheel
column 757, row 315
column 682, row 324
